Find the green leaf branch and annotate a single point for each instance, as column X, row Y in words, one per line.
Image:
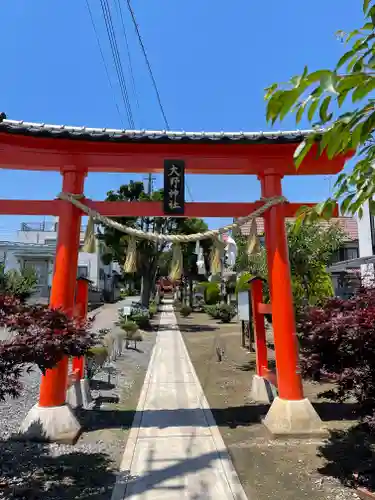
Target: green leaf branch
column 322, row 96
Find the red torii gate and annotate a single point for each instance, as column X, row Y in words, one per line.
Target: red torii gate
column 76, row 151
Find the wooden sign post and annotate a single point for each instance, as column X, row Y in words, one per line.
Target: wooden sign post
column 174, row 187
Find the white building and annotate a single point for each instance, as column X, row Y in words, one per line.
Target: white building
column 36, row 246
column 366, row 238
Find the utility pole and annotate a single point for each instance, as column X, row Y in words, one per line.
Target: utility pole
column 150, row 181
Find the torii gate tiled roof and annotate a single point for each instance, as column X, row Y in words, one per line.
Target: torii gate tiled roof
column 45, row 147
column 124, row 135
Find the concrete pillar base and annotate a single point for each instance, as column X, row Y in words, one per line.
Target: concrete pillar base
column 262, row 391
column 74, row 396
column 79, row 395
column 50, row 424
column 297, row 419
column 87, row 401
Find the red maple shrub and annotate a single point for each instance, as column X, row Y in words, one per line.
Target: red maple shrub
column 337, row 341
column 38, row 336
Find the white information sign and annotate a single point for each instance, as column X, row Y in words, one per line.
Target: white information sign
column 243, row 306
column 126, row 310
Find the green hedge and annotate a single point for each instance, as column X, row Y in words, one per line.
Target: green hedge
column 212, row 293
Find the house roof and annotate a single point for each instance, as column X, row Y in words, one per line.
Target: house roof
column 21, row 244
column 28, row 249
column 348, row 225
column 161, row 136
column 351, row 265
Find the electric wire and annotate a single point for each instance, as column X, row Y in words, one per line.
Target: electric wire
column 116, row 55
column 104, row 61
column 136, row 26
column 116, row 59
column 130, row 64
column 118, row 65
column 142, row 45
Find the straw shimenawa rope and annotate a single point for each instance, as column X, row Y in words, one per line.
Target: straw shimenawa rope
column 171, row 238
column 253, row 246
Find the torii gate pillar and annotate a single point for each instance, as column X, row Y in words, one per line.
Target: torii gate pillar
column 290, row 413
column 52, row 419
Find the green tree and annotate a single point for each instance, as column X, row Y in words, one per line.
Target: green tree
column 191, row 226
column 19, row 284
column 341, row 106
column 164, row 262
column 149, row 254
column 310, row 252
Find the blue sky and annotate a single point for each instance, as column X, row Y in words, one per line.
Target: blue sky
column 211, row 60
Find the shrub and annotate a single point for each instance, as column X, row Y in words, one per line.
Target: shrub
column 226, row 313
column 39, row 336
column 153, row 309
column 95, row 358
column 142, row 319
column 18, row 284
column 185, row 311
column 131, row 332
column 177, row 304
column 129, row 327
column 212, row 310
column 212, row 293
column 338, row 341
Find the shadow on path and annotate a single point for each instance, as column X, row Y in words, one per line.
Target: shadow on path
column 188, row 328
column 225, row 417
column 350, row 457
column 29, row 472
column 151, row 479
column 231, row 417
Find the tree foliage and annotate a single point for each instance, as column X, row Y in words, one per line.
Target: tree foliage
column 339, row 103
column 20, row 284
column 38, row 336
column 149, row 254
column 310, row 252
column 338, row 341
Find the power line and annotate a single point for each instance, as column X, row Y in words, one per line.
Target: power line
column 136, row 26
column 118, row 65
column 116, row 59
column 130, row 65
column 103, row 60
column 148, row 64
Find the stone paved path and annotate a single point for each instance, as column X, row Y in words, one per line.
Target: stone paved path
column 174, row 449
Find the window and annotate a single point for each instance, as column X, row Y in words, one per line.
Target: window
column 351, row 253
column 345, row 253
column 83, row 272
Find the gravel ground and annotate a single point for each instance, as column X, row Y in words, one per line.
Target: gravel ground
column 86, row 470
